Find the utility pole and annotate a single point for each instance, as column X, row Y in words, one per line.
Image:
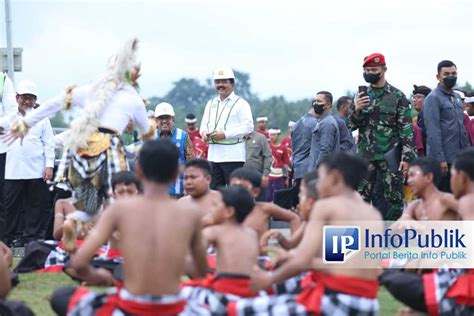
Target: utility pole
column 8, row 22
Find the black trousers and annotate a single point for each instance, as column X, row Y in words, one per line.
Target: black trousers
column 445, row 183
column 23, row 197
column 221, row 173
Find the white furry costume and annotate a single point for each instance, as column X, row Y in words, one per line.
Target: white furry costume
column 93, row 150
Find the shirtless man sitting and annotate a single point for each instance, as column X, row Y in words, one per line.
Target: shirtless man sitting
column 197, row 180
column 260, row 217
column 124, row 184
column 156, row 234
column 424, row 175
column 235, row 260
column 335, row 291
column 443, row 291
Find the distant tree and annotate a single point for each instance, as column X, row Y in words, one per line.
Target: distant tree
column 188, row 94
column 467, row 87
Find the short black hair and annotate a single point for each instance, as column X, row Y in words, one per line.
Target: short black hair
column 445, row 63
column 240, row 199
column 342, row 101
column 310, row 179
column 327, row 95
column 248, row 174
column 158, row 160
column 352, row 167
column 464, row 161
column 125, row 177
column 201, row 164
column 190, row 116
column 429, row 165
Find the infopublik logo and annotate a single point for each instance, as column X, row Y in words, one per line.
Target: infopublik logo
column 340, row 243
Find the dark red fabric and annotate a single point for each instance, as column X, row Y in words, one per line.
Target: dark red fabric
column 314, row 285
column 470, row 130
column 114, row 302
column 374, row 60
column 420, row 148
column 200, row 148
column 76, row 297
column 462, row 291
column 194, row 134
column 430, row 294
column 286, row 141
column 113, row 253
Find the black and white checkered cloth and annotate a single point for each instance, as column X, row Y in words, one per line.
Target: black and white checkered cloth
column 214, row 302
column 74, row 169
column 332, row 304
column 443, row 280
column 91, row 302
column 290, row 286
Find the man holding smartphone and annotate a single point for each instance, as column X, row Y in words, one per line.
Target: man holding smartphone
column 383, row 116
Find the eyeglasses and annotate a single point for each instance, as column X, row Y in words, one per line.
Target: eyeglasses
column 165, row 118
column 28, row 97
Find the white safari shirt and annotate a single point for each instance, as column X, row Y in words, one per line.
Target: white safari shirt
column 28, row 160
column 232, row 116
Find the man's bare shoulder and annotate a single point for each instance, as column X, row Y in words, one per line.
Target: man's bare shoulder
column 336, row 206
column 261, row 207
column 185, row 198
column 268, row 207
column 466, row 209
column 447, row 199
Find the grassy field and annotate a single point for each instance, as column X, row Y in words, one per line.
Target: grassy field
column 35, row 290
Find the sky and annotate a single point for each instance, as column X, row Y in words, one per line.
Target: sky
column 290, row 48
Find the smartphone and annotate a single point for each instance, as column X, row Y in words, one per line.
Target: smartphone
column 363, row 91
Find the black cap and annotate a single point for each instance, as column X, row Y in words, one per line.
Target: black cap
column 424, row 90
column 190, row 116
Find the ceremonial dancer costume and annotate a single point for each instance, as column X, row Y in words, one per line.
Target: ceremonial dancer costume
column 93, row 150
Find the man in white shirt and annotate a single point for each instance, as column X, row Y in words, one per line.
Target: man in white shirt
column 227, row 119
column 7, row 105
column 28, row 165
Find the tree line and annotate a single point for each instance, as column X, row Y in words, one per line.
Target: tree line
column 189, row 95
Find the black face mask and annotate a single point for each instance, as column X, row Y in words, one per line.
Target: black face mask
column 450, row 81
column 371, row 78
column 318, row 108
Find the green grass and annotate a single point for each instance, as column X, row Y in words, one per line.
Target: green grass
column 35, row 290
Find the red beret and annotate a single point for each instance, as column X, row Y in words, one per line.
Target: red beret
column 374, row 60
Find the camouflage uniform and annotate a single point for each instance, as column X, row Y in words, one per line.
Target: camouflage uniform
column 383, row 124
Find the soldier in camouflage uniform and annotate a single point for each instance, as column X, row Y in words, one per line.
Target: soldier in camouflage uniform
column 384, row 121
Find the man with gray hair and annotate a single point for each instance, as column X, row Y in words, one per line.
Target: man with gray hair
column 28, row 165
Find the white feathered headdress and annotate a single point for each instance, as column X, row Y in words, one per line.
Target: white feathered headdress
column 119, row 71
